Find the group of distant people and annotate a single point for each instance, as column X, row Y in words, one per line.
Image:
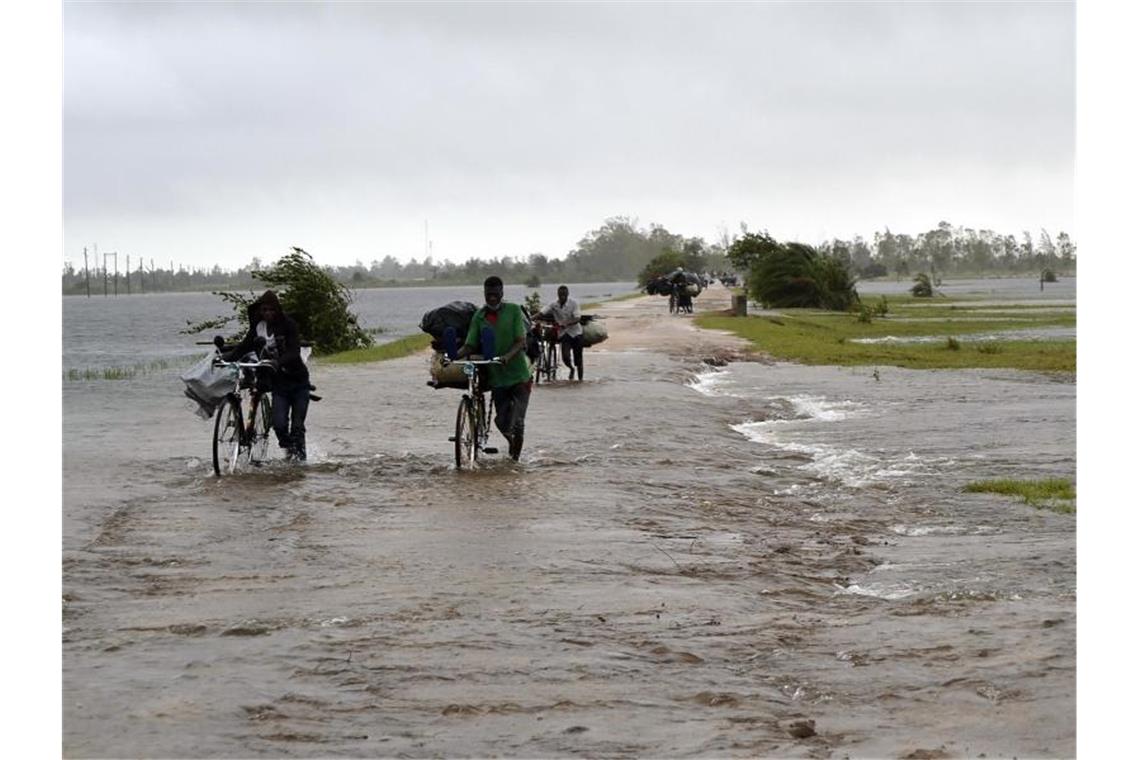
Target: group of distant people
column 274, row 335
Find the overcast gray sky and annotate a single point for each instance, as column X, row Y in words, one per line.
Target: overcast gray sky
column 215, row 132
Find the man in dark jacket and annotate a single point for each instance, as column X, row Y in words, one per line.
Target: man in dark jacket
column 290, row 380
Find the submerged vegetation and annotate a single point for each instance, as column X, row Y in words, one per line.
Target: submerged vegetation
column 1057, row 494
column 813, row 336
column 122, row 373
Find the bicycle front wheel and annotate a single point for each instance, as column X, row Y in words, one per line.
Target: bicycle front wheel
column 465, row 435
column 228, row 437
column 262, row 427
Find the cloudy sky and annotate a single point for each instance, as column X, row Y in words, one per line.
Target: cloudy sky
column 215, row 132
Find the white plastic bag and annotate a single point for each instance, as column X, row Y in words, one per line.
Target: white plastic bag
column 208, row 385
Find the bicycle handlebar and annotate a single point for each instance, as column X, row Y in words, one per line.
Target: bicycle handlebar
column 247, row 365
column 476, row 362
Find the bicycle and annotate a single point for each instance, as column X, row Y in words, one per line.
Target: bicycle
column 473, row 419
column 239, row 440
column 546, row 366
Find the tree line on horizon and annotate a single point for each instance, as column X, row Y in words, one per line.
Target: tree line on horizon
column 621, row 250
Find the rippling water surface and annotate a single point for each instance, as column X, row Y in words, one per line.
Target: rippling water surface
column 687, row 562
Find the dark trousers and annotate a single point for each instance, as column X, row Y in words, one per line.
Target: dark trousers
column 510, row 408
column 572, row 345
column 290, row 406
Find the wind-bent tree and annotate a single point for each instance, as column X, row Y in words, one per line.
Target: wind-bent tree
column 310, row 295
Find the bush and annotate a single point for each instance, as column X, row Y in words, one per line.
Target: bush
column 793, row 275
column 952, row 344
column 532, row 304
column 310, row 295
column 922, row 287
column 533, row 281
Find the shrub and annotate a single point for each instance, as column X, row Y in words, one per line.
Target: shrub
column 952, row 344
column 794, row 275
column 310, row 295
column 922, row 287
column 533, row 303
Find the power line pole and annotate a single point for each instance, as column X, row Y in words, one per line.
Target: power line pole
column 128, row 274
column 86, row 272
column 115, row 256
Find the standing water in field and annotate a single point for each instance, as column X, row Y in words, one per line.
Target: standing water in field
column 759, row 559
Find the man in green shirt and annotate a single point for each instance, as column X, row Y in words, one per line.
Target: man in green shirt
column 502, row 327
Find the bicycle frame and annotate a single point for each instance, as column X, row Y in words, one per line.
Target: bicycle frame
column 481, row 414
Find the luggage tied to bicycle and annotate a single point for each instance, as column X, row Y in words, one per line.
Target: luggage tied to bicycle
column 207, row 386
column 448, row 324
column 593, row 331
column 452, row 374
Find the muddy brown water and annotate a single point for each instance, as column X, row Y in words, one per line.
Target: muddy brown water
column 758, row 559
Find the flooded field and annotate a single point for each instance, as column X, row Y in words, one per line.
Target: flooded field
column 754, row 559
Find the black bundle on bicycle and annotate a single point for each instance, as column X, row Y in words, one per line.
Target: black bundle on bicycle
column 456, row 315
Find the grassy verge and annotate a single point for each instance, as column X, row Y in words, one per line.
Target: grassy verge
column 1056, row 494
column 818, row 337
column 393, row 350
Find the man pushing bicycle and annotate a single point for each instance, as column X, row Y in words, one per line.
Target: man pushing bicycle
column 568, row 316
column 498, row 330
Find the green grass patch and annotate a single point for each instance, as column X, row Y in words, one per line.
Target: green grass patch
column 818, row 337
column 1056, row 494
column 393, row 350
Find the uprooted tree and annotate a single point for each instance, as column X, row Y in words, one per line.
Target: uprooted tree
column 308, row 294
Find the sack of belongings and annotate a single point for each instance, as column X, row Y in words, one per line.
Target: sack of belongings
column 456, row 314
column 207, row 385
column 452, row 375
column 593, row 330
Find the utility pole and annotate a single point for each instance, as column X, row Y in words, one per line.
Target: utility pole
column 128, row 274
column 115, row 256
column 142, row 276
column 86, row 272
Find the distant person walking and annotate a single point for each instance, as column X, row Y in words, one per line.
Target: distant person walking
column 568, row 316
column 498, row 330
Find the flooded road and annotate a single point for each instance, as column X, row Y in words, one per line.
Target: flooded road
column 749, row 560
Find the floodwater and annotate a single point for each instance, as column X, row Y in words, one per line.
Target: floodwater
column 749, row 560
column 125, row 331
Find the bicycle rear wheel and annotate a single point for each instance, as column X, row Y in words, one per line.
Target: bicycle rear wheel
column 551, row 362
column 465, row 434
column 228, row 448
